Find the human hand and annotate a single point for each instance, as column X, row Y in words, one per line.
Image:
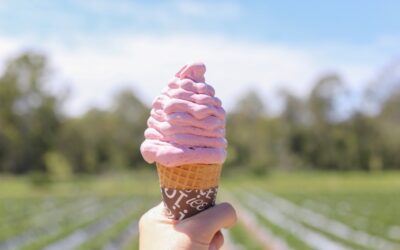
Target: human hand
column 199, row 232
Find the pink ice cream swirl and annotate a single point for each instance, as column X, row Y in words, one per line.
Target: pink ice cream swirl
column 187, row 122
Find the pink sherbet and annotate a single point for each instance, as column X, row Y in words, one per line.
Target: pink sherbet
column 187, row 122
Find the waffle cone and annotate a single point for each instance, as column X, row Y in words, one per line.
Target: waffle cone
column 191, row 176
column 188, row 189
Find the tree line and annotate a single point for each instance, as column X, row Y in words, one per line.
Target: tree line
column 36, row 136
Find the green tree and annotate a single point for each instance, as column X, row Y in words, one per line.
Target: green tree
column 102, row 140
column 29, row 115
column 251, row 135
column 388, row 121
column 322, row 99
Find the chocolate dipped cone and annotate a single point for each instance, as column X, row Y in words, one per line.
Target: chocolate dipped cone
column 188, row 189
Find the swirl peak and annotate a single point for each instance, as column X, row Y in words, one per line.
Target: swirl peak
column 193, row 71
column 186, row 123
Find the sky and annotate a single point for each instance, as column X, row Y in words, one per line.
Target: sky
column 99, row 47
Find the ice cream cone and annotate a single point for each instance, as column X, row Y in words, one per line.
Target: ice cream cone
column 185, row 137
column 188, row 189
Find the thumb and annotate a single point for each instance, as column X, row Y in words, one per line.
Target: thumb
column 206, row 224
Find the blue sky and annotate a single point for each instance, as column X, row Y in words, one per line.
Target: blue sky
column 293, row 41
column 278, row 21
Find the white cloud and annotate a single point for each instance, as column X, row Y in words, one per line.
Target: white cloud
column 163, row 13
column 224, row 10
column 9, row 48
column 97, row 68
column 389, row 40
column 149, row 62
column 129, row 9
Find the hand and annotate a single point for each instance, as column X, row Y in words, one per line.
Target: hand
column 199, row 232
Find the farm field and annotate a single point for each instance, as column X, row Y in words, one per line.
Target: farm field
column 280, row 211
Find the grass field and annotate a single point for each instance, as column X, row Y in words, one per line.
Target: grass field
column 281, row 211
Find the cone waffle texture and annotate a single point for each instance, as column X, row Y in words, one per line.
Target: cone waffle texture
column 193, row 176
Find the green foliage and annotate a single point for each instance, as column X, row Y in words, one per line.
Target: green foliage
column 308, row 133
column 253, row 137
column 57, row 165
column 35, row 137
column 105, row 139
column 29, row 115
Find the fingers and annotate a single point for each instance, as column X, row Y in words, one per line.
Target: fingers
column 220, row 216
column 156, row 215
column 207, row 223
column 217, row 241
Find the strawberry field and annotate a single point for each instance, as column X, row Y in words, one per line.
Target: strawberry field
column 280, row 211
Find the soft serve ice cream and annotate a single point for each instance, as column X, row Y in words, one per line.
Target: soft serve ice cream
column 186, row 139
column 187, row 122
